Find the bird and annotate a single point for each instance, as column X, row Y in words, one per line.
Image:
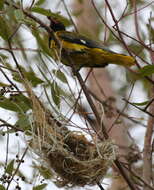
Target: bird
column 78, row 51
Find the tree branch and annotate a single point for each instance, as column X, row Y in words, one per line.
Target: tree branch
column 147, row 151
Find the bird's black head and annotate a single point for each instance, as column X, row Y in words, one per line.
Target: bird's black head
column 56, row 25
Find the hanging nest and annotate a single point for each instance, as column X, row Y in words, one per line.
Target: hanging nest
column 74, row 160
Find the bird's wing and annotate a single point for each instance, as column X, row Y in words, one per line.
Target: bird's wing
column 81, row 40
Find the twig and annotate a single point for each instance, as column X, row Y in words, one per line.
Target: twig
column 17, row 169
column 70, row 17
column 12, row 127
column 100, row 186
column 117, row 163
column 140, row 178
column 89, row 99
column 143, row 110
column 125, row 176
column 12, row 70
column 117, row 27
column 7, row 150
column 139, row 10
column 104, row 22
column 104, row 103
column 136, row 24
column 20, row 49
column 9, row 80
column 147, row 151
column 125, row 106
column 45, row 26
column 150, row 102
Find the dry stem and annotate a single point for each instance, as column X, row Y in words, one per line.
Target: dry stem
column 147, row 151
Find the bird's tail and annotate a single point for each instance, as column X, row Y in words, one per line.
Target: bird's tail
column 124, row 60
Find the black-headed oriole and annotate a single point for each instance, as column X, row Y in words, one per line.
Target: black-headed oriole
column 83, row 51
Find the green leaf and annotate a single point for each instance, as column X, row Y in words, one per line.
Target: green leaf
column 55, row 92
column 10, row 167
column 33, row 78
column 1, row 4
column 30, row 76
column 146, row 70
column 39, row 2
column 4, row 84
column 45, row 172
column 60, row 75
column 29, row 22
column 22, row 101
column 16, row 103
column 65, row 94
column 23, row 122
column 47, row 12
column 140, row 103
column 8, row 104
column 3, row 57
column 137, row 48
column 42, row 42
column 4, row 31
column 41, row 11
column 40, row 187
column 2, row 187
column 19, row 14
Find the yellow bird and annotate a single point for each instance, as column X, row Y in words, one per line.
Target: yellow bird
column 82, row 51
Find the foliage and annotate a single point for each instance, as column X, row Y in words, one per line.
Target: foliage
column 29, row 75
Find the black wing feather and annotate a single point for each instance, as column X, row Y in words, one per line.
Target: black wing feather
column 82, row 40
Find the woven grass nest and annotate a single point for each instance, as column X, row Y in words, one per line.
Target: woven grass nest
column 78, row 162
column 73, row 159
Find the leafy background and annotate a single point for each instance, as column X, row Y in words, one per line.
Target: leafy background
column 55, row 84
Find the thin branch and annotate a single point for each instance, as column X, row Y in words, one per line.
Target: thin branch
column 136, row 23
column 9, row 80
column 70, row 17
column 125, row 176
column 137, row 11
column 139, row 178
column 20, row 49
column 42, row 24
column 100, row 186
column 125, row 106
column 120, row 32
column 93, row 107
column 152, row 151
column 143, row 110
column 5, row 124
column 103, row 21
column 117, row 27
column 150, row 102
column 107, row 26
column 147, row 151
column 7, row 150
column 104, row 103
column 12, row 70
column 117, row 163
column 17, row 169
